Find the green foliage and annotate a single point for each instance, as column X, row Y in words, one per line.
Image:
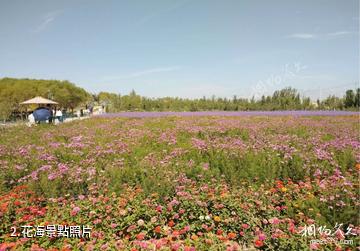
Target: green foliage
column 349, row 98
column 5, row 110
column 14, row 91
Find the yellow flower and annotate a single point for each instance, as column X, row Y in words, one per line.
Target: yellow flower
column 283, row 189
column 217, row 219
column 310, row 195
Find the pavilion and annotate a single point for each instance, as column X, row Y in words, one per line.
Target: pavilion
column 39, row 101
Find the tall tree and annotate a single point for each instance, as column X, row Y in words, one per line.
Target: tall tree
column 357, row 98
column 349, row 99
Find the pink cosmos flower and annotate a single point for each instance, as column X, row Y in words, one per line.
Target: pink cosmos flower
column 262, row 236
column 104, row 247
column 131, row 228
column 274, row 221
column 52, row 176
column 75, row 210
column 97, row 221
column 159, row 209
column 206, row 166
column 143, row 244
column 314, row 246
column 34, row 175
column 175, row 246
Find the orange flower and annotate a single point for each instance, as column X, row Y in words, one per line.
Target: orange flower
column 222, row 238
column 123, row 202
column 357, row 166
column 231, row 235
column 258, row 243
column 223, row 195
column 217, row 219
column 194, row 237
column 171, row 223
column 208, row 241
column 9, row 245
column 157, row 230
column 219, row 232
column 3, row 206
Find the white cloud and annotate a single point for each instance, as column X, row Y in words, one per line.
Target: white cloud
column 143, row 73
column 302, row 35
column 46, row 21
column 339, row 33
column 319, row 35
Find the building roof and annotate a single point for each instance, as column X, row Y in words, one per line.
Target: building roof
column 39, row 100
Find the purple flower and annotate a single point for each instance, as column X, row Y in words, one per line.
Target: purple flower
column 52, row 176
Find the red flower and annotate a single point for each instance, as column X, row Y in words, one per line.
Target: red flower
column 27, row 217
column 279, row 184
column 258, row 243
column 140, row 236
column 175, row 233
column 17, row 203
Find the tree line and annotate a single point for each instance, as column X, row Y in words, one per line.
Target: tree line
column 285, row 99
column 69, row 96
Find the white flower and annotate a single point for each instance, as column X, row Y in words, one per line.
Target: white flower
column 140, row 222
column 201, row 218
column 207, row 217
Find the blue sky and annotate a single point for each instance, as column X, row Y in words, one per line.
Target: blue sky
column 186, row 48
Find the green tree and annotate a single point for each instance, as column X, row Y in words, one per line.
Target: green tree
column 357, row 98
column 5, row 110
column 349, row 99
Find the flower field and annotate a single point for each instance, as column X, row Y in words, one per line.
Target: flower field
column 183, row 183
